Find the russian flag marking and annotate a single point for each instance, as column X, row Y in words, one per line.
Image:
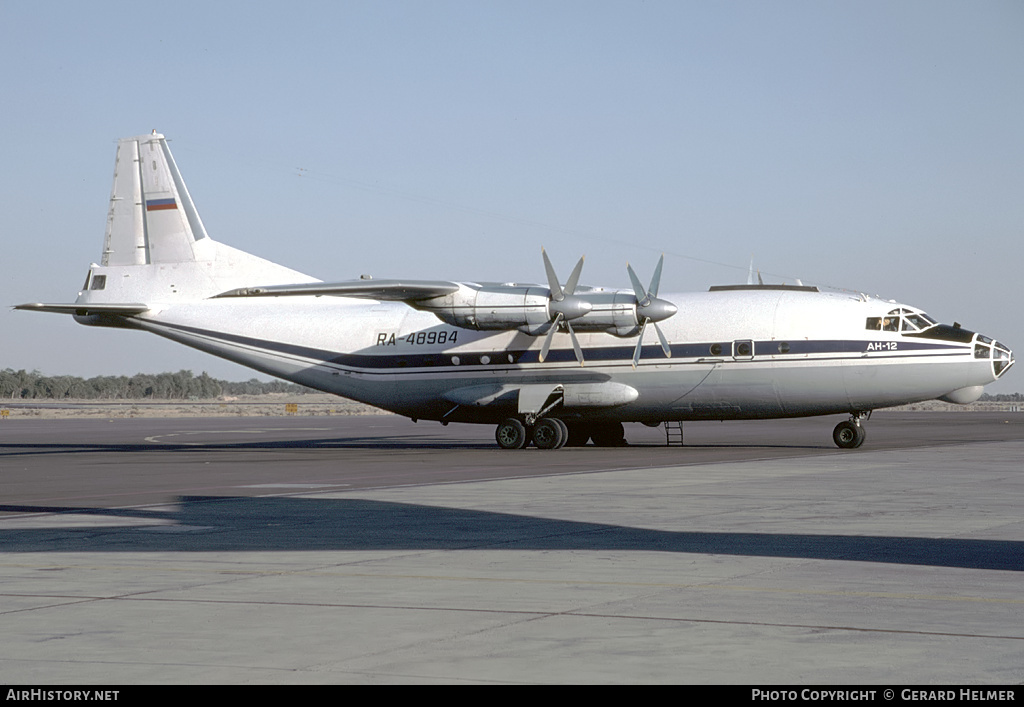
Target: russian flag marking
column 161, row 204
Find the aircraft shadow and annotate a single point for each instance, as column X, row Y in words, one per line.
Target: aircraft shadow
column 376, row 442
column 241, row 524
column 370, row 443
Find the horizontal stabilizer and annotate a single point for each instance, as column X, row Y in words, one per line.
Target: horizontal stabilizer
column 389, row 290
column 83, row 309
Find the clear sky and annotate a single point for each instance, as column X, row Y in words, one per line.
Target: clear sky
column 874, row 146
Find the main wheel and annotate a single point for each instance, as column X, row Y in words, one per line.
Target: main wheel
column 848, row 435
column 565, row 431
column 511, row 434
column 548, row 434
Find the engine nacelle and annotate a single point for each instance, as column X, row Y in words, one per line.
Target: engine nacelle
column 611, row 312
column 530, row 309
column 493, row 308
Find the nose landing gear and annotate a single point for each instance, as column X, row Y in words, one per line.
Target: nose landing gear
column 849, row 434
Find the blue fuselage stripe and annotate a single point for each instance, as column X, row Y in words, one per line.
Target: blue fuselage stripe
column 822, row 350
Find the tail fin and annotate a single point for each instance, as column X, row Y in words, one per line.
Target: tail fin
column 156, row 249
column 152, row 218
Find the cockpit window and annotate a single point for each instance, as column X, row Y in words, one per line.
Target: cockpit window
column 883, row 323
column 1003, row 359
column 915, row 322
column 901, row 319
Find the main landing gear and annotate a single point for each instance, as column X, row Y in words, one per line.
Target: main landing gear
column 545, row 433
column 849, row 434
column 553, row 433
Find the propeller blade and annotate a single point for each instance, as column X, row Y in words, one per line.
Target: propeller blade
column 664, row 342
column 546, row 346
column 574, row 278
column 639, row 343
column 650, row 309
column 562, row 300
column 563, row 306
column 575, row 343
column 652, row 291
column 638, row 289
column 556, row 289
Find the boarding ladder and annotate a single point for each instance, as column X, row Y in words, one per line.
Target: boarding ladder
column 673, row 433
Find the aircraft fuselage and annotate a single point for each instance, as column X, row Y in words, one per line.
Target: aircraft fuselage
column 739, row 354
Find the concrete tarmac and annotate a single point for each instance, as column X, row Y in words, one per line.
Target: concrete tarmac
column 372, row 550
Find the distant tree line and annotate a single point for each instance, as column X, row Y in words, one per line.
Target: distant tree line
column 183, row 385
column 1002, row 398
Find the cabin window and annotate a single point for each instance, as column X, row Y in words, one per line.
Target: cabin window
column 99, row 282
column 716, row 349
column 783, row 347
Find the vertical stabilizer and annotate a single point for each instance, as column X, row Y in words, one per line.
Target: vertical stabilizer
column 152, row 218
column 156, row 249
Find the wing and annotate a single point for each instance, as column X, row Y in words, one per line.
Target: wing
column 391, row 290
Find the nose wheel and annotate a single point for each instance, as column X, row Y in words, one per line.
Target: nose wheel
column 849, row 434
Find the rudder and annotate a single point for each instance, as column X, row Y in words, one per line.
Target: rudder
column 152, row 218
column 156, row 248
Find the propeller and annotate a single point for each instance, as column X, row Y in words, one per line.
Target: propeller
column 650, row 309
column 564, row 306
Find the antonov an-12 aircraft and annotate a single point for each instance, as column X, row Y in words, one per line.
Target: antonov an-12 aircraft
column 548, row 365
